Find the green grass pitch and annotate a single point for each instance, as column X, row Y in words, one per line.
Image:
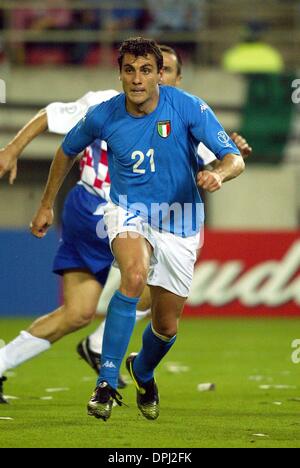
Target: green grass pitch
column 238, row 355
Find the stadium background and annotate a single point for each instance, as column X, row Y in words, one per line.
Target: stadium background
column 250, row 263
column 47, row 61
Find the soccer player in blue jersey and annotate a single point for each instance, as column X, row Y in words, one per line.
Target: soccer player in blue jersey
column 91, row 191
column 155, row 214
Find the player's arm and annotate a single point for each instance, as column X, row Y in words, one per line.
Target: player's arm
column 10, row 154
column 228, row 168
column 57, row 117
column 81, row 136
column 209, row 160
column 205, row 127
column 59, row 169
column 242, row 145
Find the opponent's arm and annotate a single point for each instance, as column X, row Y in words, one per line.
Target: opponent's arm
column 228, row 168
column 57, row 117
column 59, row 169
column 242, row 145
column 10, row 154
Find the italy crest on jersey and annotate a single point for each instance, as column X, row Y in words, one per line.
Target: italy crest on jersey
column 164, row 128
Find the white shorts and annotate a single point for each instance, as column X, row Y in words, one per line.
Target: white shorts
column 173, row 258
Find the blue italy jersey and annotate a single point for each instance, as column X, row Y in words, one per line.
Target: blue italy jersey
column 153, row 159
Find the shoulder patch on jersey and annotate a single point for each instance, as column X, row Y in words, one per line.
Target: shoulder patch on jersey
column 164, row 128
column 224, row 138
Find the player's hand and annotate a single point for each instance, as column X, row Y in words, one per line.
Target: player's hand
column 8, row 164
column 209, row 181
column 242, row 145
column 42, row 221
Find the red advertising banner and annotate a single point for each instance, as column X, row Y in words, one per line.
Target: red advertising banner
column 247, row 273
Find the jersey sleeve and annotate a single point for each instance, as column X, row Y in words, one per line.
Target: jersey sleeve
column 205, row 128
column 62, row 117
column 88, row 129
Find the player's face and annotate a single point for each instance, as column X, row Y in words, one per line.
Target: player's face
column 140, row 79
column 170, row 75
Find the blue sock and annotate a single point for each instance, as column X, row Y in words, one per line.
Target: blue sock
column 153, row 350
column 118, row 329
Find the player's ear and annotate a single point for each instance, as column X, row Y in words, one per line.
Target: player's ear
column 178, row 80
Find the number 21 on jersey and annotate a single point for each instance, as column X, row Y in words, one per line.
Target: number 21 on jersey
column 141, row 157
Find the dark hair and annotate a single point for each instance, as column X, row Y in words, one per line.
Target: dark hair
column 170, row 50
column 140, row 47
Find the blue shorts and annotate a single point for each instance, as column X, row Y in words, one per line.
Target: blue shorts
column 80, row 247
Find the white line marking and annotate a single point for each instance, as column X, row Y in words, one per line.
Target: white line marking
column 58, row 389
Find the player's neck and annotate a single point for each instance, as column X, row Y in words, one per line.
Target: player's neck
column 139, row 110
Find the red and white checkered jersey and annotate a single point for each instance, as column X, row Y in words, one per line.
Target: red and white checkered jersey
column 93, row 165
column 62, row 117
column 94, row 175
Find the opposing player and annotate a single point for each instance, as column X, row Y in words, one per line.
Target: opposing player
column 82, row 205
column 155, row 213
column 82, row 259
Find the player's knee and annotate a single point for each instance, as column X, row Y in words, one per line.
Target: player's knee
column 134, row 281
column 79, row 317
column 167, row 331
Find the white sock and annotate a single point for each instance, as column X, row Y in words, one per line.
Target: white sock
column 96, row 338
column 111, row 286
column 141, row 314
column 21, row 349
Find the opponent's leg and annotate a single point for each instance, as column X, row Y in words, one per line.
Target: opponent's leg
column 90, row 348
column 81, row 294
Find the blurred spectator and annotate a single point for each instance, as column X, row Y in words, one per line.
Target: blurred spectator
column 115, row 20
column 124, row 19
column 53, row 16
column 57, row 15
column 252, row 54
column 84, row 20
column 266, row 112
column 176, row 15
column 40, row 19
